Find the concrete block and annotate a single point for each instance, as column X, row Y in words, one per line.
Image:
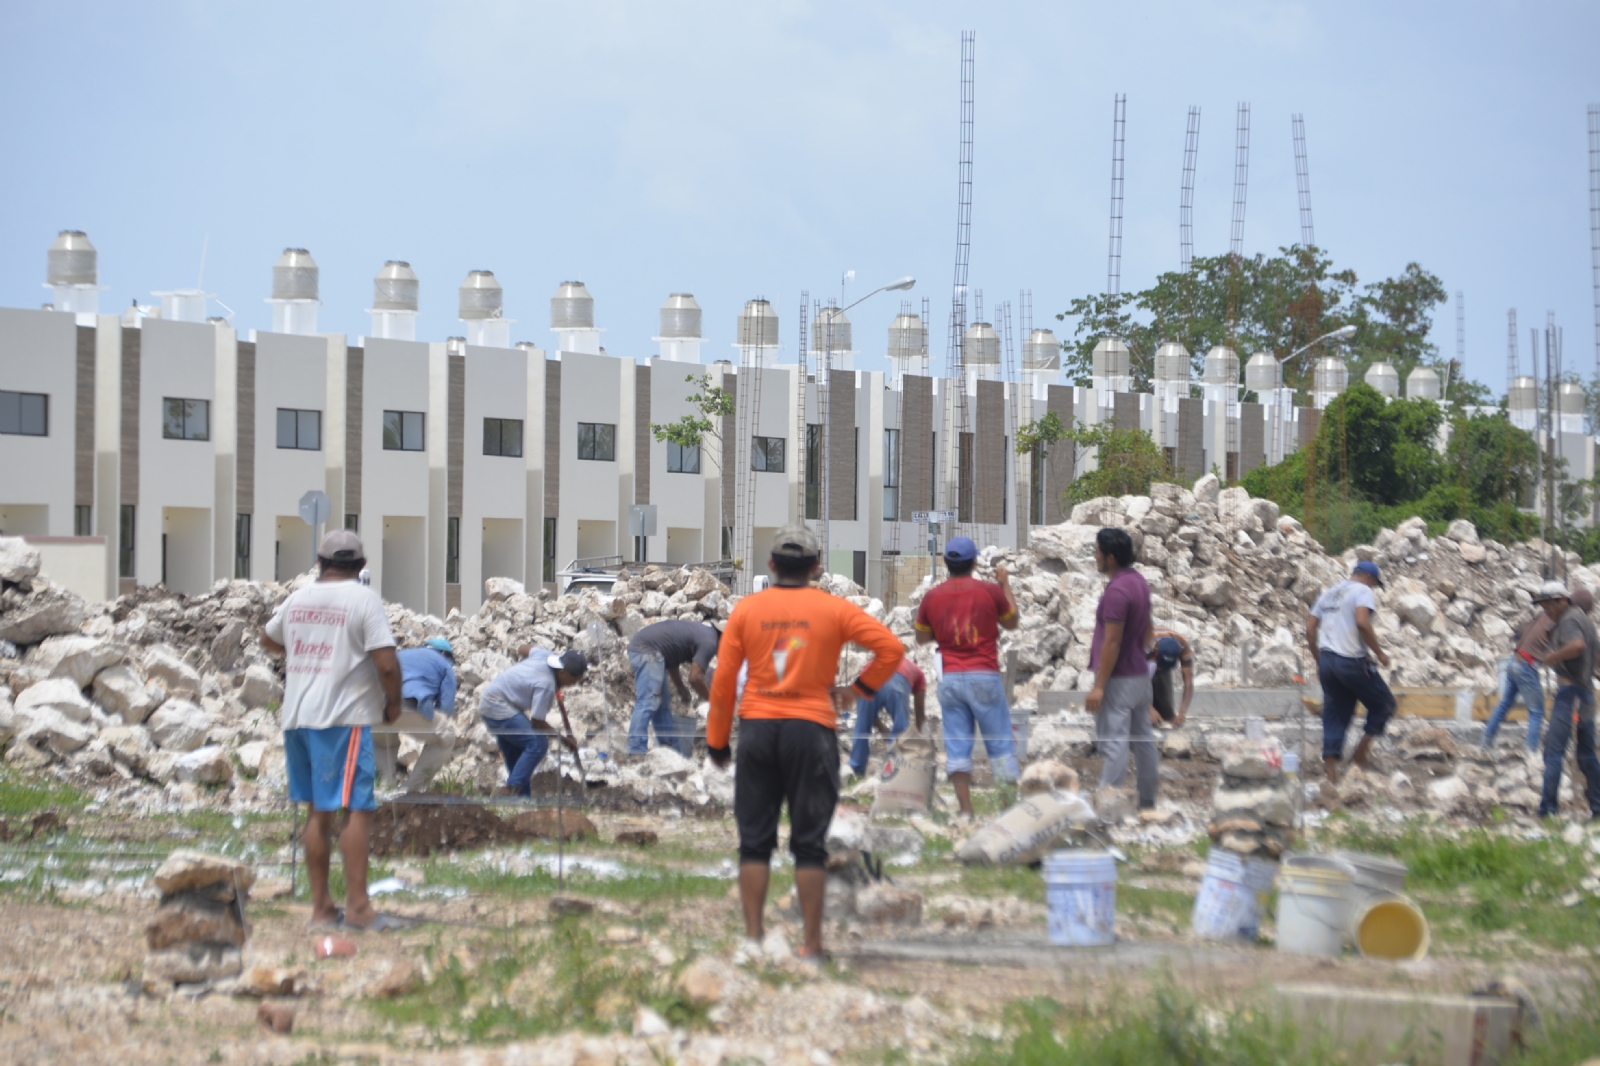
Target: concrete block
column 1375, row 1027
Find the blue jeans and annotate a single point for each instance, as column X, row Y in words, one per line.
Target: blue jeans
column 521, row 746
column 1520, row 680
column 652, row 706
column 1560, row 730
column 1346, row 682
column 975, row 702
column 893, row 697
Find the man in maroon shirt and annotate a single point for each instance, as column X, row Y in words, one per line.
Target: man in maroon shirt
column 1120, row 699
column 965, row 616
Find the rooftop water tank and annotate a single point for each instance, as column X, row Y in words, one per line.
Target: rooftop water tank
column 71, row 260
column 1385, row 378
column 1330, row 376
column 1110, row 359
column 294, row 276
column 1571, row 398
column 758, row 325
column 981, row 345
column 1422, row 384
column 680, row 317
column 908, row 337
column 830, row 331
column 1222, row 366
column 1041, row 351
column 1523, row 395
column 480, row 296
column 1263, row 373
column 395, row 288
column 572, row 307
column 1172, row 362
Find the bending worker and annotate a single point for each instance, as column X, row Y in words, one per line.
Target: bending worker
column 908, row 681
column 428, row 685
column 1169, row 654
column 657, row 653
column 790, row 634
column 516, row 707
column 1574, row 646
column 1340, row 632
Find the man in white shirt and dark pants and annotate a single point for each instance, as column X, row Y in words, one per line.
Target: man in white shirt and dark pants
column 343, row 678
column 1340, row 633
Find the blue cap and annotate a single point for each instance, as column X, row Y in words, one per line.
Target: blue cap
column 1168, row 653
column 439, row 644
column 1367, row 566
column 960, row 550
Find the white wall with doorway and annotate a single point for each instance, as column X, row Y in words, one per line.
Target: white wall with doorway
column 293, row 552
column 496, row 439
column 178, row 362
column 595, row 390
column 503, row 547
column 684, row 545
column 405, row 551
column 394, row 482
column 38, row 357
column 684, row 505
column 77, row 564
column 291, row 377
column 596, row 537
column 185, row 548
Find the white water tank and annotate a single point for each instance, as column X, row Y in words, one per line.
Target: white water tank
column 830, row 331
column 980, row 347
column 758, row 326
column 572, row 307
column 1329, row 378
column 1041, row 351
column 1522, row 403
column 1110, row 359
column 1222, row 366
column 1570, row 401
column 480, row 297
column 71, row 260
column 1422, row 384
column 396, row 288
column 294, row 293
column 680, row 317
column 908, row 337
column 1385, row 378
column 1173, row 363
column 1263, row 373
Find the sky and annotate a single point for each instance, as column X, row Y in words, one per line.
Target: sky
column 736, row 150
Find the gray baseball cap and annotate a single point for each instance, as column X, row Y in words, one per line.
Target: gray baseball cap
column 796, row 542
column 341, row 546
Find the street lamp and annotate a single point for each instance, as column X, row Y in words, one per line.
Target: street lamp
column 1343, row 333
column 893, row 286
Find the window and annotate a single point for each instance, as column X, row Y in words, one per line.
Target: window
column 964, row 478
column 891, row 475
column 82, row 526
column 502, row 436
column 597, row 441
column 125, row 527
column 452, row 551
column 185, row 419
column 25, row 413
column 1005, row 478
column 549, row 549
column 641, row 547
column 1036, row 486
column 299, row 429
column 766, row 454
column 403, row 431
column 683, row 458
column 241, row 546
column 813, row 471
column 352, row 522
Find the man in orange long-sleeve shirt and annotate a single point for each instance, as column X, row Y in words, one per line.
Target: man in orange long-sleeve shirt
column 790, row 635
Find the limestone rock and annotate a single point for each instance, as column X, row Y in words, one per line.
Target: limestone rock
column 192, row 963
column 50, row 729
column 704, row 982
column 1048, row 775
column 205, row 766
column 1417, row 608
column 164, row 664
column 499, row 589
column 250, row 755
column 59, row 694
column 186, row 869
column 399, row 978
column 265, row 980
column 29, row 619
column 18, row 562
column 131, row 744
column 260, row 688
column 1448, row 793
column 889, row 904
column 179, row 725
column 76, row 657
column 1208, row 489
column 1214, row 590
column 191, row 918
column 119, row 690
column 1268, row 804
column 1252, row 760
column 1462, row 532
column 1429, row 742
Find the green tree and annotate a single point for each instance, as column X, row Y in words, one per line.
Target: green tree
column 714, row 404
column 1129, row 463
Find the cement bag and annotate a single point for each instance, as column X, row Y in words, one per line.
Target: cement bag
column 905, row 784
column 1028, row 830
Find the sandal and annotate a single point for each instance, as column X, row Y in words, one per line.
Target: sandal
column 336, row 922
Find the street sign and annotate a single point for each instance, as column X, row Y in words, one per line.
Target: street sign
column 642, row 520
column 922, row 518
column 315, row 507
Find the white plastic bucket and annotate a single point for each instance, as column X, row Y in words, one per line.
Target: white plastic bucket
column 1020, row 720
column 1374, row 872
column 1080, row 891
column 1224, row 905
column 1313, row 909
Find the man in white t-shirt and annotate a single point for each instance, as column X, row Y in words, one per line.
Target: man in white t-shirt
column 342, row 678
column 1340, row 632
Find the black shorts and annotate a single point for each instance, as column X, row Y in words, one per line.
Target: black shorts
column 1163, row 692
column 785, row 760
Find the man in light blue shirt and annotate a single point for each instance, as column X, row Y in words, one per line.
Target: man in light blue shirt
column 515, row 709
column 428, row 684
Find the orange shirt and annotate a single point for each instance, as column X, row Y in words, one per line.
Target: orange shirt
column 791, row 637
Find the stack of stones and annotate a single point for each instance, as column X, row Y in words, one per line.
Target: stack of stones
column 1253, row 807
column 199, row 930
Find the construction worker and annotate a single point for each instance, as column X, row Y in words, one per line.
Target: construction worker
column 343, row 678
column 428, row 696
column 657, row 653
column 1169, row 653
column 1574, row 649
column 908, row 683
column 964, row 617
column 790, row 635
column 1121, row 696
column 515, row 709
column 1340, row 632
column 1520, row 677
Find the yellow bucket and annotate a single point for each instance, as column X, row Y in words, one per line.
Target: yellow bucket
column 1389, row 927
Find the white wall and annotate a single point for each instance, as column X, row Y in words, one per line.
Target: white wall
column 291, row 372
column 395, row 484
column 38, row 353
column 77, row 564
column 176, row 359
column 594, row 388
column 680, row 499
column 494, row 489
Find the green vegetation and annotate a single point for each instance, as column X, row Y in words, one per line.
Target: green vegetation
column 24, row 795
column 647, row 884
column 714, row 404
column 555, row 979
column 1129, row 462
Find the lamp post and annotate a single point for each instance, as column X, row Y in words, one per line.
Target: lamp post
column 1341, row 334
column 822, row 452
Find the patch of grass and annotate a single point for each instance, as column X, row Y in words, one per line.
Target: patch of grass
column 1571, row 1036
column 556, row 978
column 1018, row 882
column 645, row 885
column 23, row 795
column 1149, row 902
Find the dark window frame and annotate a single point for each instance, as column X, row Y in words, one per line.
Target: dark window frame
column 301, row 417
column 891, row 475
column 241, row 546
column 597, row 442
column 185, row 416
column 762, row 450
column 18, row 420
column 397, row 432
column 813, row 485
column 452, row 550
column 495, row 437
column 676, row 461
column 127, row 531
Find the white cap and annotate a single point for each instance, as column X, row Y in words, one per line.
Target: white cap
column 1552, row 590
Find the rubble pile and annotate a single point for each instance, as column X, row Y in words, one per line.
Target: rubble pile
column 1255, row 801
column 199, row 930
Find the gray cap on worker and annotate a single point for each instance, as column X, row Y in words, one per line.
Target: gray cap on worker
column 341, row 546
column 796, row 542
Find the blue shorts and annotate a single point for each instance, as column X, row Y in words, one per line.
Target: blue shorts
column 974, row 703
column 332, row 769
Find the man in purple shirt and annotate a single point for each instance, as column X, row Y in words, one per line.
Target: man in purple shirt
column 1120, row 698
